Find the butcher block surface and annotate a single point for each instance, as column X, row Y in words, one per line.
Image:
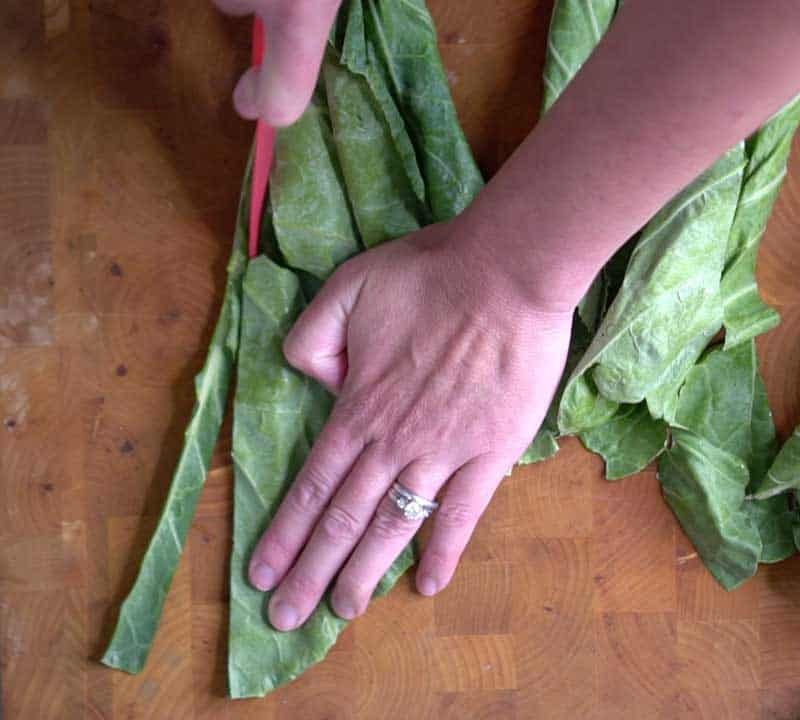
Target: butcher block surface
column 120, row 167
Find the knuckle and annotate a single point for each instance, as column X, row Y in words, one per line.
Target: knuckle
column 350, row 586
column 340, row 434
column 456, row 514
column 300, row 585
column 294, row 353
column 339, row 525
column 311, row 492
column 388, row 525
column 275, row 550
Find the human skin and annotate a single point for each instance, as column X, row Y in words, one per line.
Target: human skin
column 445, row 347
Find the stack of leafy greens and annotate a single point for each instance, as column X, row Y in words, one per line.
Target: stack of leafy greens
column 646, row 384
column 378, row 154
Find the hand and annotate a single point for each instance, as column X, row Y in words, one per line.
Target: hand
column 297, row 31
column 442, row 377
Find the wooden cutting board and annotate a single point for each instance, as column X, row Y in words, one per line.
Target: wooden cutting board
column 120, row 167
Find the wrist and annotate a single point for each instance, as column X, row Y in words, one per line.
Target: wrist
column 541, row 271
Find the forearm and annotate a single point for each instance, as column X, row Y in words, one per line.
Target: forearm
column 669, row 89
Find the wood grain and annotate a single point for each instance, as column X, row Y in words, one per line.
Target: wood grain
column 120, row 165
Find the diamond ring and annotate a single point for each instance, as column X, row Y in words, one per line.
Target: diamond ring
column 413, row 506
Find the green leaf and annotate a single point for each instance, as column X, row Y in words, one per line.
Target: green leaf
column 403, row 153
column 775, row 520
column 594, row 305
column 543, row 446
column 591, row 307
column 796, row 531
column 628, row 442
column 399, row 56
column 380, row 192
column 784, row 474
column 705, row 487
column 277, row 414
column 724, row 401
column 669, row 297
column 141, row 611
column 767, row 150
column 576, row 28
column 311, row 217
column 662, row 398
column 666, row 312
column 356, row 54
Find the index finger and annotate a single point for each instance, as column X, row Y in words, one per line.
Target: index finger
column 331, row 457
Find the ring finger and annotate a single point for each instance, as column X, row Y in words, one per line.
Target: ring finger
column 388, row 533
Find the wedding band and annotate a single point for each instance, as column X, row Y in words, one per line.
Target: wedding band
column 413, row 506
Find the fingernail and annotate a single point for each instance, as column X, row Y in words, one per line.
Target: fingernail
column 283, row 616
column 263, row 576
column 427, row 585
column 344, row 609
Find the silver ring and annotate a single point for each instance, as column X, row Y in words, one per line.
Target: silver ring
column 413, row 506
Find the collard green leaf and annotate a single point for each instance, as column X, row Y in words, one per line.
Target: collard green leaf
column 277, row 414
column 796, row 530
column 662, row 399
column 746, row 315
column 784, row 473
column 705, row 488
column 141, row 611
column 583, row 407
column 775, row 520
column 380, row 192
column 399, row 52
column 724, row 401
column 575, row 29
column 669, row 297
column 594, row 305
column 353, row 49
column 405, row 159
column 628, row 442
column 311, row 218
column 544, row 445
column 670, row 291
column 591, row 307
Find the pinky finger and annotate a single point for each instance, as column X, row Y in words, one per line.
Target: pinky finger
column 466, row 496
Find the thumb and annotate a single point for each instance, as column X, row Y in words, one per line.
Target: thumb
column 317, row 343
column 280, row 89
